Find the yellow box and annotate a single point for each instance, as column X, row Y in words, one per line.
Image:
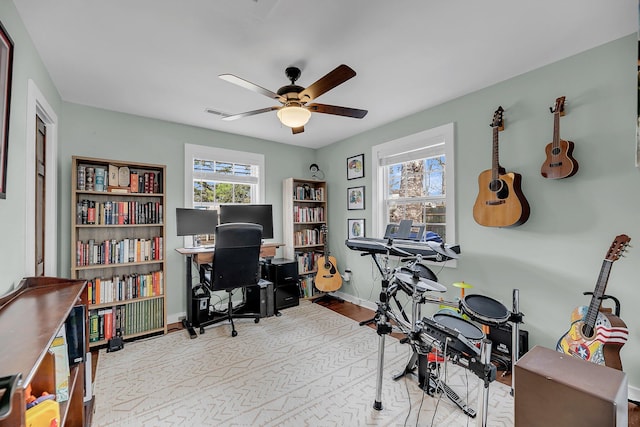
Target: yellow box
column 44, row 414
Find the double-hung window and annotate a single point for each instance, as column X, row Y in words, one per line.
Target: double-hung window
column 414, row 180
column 215, row 176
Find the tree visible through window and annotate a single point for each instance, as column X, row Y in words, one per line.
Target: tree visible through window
column 215, row 176
column 416, row 191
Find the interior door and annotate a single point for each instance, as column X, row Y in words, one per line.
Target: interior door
column 40, row 205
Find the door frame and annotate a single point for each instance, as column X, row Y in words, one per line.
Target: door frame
column 38, row 104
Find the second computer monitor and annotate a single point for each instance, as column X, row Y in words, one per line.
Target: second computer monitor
column 255, row 214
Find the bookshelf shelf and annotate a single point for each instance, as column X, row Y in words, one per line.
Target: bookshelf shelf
column 117, row 234
column 304, row 213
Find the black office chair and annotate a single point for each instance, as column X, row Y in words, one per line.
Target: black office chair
column 235, row 265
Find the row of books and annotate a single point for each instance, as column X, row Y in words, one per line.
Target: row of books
column 122, row 251
column 307, row 287
column 309, row 193
column 117, row 179
column 118, row 213
column 308, row 261
column 126, row 287
column 308, row 237
column 128, row 319
column 306, row 214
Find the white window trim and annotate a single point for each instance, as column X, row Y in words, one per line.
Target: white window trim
column 38, row 104
column 192, row 151
column 407, row 144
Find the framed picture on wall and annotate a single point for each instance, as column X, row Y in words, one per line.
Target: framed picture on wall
column 355, row 228
column 355, row 198
column 355, row 166
column 6, row 66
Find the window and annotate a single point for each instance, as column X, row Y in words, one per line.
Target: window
column 214, row 176
column 414, row 179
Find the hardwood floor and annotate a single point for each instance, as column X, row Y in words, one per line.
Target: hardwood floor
column 360, row 314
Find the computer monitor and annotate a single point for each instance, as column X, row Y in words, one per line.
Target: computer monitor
column 194, row 222
column 255, row 214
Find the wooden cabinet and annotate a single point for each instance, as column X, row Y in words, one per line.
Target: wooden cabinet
column 118, row 245
column 30, row 318
column 304, row 214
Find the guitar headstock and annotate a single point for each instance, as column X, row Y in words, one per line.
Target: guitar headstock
column 559, row 107
column 618, row 246
column 498, row 119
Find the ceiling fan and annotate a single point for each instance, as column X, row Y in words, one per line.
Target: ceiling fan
column 295, row 110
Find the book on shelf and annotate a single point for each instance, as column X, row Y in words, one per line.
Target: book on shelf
column 59, row 349
column 134, row 182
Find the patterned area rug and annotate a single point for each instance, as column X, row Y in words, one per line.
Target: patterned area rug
column 309, row 367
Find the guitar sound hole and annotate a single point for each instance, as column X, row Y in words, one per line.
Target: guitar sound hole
column 555, row 151
column 587, row 331
column 495, row 185
column 499, row 187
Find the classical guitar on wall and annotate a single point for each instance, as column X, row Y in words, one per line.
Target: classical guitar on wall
column 328, row 279
column 559, row 162
column 500, row 201
column 594, row 335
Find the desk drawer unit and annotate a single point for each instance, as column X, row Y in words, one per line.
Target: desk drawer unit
column 284, row 275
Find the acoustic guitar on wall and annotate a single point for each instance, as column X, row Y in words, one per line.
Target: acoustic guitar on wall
column 559, row 162
column 328, row 279
column 594, row 335
column 500, row 201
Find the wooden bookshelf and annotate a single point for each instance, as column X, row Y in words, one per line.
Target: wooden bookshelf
column 30, row 318
column 304, row 213
column 118, row 245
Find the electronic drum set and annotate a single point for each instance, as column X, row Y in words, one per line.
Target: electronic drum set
column 446, row 334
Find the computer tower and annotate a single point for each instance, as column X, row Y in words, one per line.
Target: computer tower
column 284, row 275
column 260, row 299
column 556, row 389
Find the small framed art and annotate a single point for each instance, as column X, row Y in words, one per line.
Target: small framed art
column 355, row 198
column 355, row 228
column 355, row 166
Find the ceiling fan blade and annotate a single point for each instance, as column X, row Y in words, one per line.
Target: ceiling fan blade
column 249, row 113
column 299, row 129
column 338, row 111
column 339, row 75
column 251, row 86
column 216, row 112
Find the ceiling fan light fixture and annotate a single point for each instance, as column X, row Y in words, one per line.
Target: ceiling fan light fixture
column 293, row 116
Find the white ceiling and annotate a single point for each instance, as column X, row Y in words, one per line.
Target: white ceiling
column 161, row 58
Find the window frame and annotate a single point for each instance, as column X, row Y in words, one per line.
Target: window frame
column 406, row 145
column 192, row 151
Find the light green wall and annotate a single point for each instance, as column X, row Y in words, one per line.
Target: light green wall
column 558, row 253
column 26, row 66
column 105, row 134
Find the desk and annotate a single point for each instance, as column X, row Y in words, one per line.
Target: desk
column 204, row 255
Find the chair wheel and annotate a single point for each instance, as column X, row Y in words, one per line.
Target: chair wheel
column 256, row 320
column 201, row 331
column 234, row 333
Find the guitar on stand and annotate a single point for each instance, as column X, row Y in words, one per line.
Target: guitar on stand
column 594, row 335
column 559, row 162
column 327, row 279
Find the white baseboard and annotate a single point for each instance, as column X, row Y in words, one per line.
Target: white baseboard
column 357, row 301
column 634, row 393
column 176, row 317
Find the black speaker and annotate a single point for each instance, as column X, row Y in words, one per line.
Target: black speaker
column 500, row 337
